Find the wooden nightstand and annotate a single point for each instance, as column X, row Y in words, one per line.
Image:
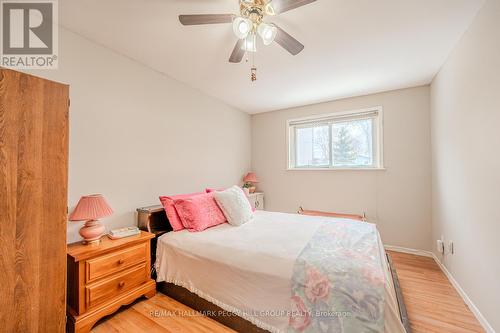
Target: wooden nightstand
column 257, row 200
column 103, row 277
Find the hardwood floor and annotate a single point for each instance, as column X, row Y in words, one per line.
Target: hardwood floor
column 158, row 314
column 433, row 306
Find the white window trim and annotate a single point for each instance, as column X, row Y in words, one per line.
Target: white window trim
column 378, row 132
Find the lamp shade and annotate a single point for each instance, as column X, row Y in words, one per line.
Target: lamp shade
column 242, row 27
column 250, row 44
column 267, row 32
column 91, row 207
column 250, row 178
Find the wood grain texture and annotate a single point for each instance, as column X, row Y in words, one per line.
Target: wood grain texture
column 115, row 262
column 288, row 42
column 159, row 314
column 331, row 214
column 33, row 204
column 206, row 19
column 85, row 322
column 153, row 219
column 79, row 251
column 99, row 293
column 105, row 276
column 238, row 52
column 433, row 305
column 281, row 6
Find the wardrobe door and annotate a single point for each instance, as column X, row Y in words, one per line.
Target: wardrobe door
column 33, row 203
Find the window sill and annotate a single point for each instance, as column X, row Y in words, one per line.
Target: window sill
column 337, row 169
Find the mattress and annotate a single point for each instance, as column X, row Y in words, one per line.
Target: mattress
column 247, row 270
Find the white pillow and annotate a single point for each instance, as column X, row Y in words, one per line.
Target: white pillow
column 235, row 205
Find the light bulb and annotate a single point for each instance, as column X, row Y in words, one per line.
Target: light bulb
column 267, row 32
column 242, row 27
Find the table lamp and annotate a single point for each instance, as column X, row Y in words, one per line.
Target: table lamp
column 91, row 208
column 250, row 179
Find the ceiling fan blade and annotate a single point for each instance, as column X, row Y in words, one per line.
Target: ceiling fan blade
column 281, row 6
column 288, row 42
column 238, row 52
column 206, row 19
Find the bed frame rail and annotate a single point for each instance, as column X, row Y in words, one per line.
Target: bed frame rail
column 154, row 220
column 399, row 295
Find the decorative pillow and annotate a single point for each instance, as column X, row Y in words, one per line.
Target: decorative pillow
column 168, row 205
column 211, row 190
column 235, row 205
column 199, row 212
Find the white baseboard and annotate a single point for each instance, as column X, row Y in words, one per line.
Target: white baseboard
column 479, row 316
column 408, row 250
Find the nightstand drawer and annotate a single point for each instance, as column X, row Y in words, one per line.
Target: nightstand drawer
column 115, row 262
column 105, row 291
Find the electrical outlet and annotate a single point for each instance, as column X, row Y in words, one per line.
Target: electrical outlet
column 451, row 247
column 440, row 246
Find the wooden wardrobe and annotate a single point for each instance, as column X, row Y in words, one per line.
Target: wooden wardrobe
column 33, row 203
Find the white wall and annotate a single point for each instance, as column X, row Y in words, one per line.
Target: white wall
column 397, row 199
column 466, row 160
column 136, row 134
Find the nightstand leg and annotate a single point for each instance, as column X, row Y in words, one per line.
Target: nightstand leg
column 73, row 327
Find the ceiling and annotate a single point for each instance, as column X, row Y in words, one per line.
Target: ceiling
column 352, row 47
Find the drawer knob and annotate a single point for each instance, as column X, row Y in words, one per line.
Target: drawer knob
column 121, row 261
column 121, row 284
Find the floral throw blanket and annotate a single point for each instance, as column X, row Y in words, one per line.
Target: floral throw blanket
column 338, row 281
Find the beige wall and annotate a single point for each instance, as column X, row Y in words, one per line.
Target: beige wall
column 136, row 134
column 466, row 161
column 397, row 199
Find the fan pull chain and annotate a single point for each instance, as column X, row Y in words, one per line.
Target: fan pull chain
column 253, row 71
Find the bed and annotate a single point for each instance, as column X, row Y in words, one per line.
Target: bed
column 243, row 276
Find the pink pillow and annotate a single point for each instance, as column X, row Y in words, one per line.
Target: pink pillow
column 168, row 205
column 199, row 212
column 212, row 190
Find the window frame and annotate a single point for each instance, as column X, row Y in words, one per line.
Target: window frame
column 377, row 139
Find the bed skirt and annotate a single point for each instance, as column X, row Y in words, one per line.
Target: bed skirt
column 207, row 308
column 240, row 324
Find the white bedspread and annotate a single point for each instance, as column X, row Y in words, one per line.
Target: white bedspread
column 247, row 270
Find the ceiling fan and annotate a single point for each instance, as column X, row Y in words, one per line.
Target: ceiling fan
column 250, row 24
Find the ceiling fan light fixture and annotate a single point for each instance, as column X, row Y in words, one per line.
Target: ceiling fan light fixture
column 267, row 32
column 242, row 27
column 269, row 9
column 250, row 44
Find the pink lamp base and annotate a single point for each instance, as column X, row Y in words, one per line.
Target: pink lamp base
column 92, row 232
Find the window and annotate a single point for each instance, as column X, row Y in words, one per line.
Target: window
column 344, row 140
